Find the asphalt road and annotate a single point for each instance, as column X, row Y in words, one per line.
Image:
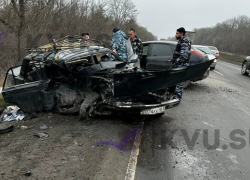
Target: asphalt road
column 191, row 141
column 174, row 147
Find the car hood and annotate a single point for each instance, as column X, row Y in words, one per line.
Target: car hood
column 131, row 84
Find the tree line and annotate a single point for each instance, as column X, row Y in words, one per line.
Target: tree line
column 231, row 35
column 30, row 23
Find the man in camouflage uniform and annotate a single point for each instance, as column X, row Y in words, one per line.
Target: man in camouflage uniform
column 181, row 57
column 118, row 44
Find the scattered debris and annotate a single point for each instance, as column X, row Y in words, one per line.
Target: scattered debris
column 28, row 173
column 43, row 127
column 12, row 113
column 82, row 159
column 24, row 127
column 41, row 135
column 6, row 130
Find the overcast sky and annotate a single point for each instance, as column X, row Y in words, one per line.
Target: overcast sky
column 163, row 17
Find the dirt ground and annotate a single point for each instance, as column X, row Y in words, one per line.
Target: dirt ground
column 67, row 153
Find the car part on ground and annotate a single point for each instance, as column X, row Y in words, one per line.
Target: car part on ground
column 12, row 113
column 7, row 130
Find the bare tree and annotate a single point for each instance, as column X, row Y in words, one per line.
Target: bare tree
column 229, row 36
column 121, row 11
column 17, row 8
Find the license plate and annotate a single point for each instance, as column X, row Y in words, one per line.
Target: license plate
column 153, row 111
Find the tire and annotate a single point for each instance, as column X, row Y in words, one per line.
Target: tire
column 244, row 69
column 186, row 84
column 212, row 68
column 91, row 99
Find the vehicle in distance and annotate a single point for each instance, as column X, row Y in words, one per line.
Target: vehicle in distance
column 209, row 53
column 215, row 51
column 245, row 70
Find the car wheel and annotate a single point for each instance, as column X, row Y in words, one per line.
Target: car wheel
column 212, row 68
column 186, row 84
column 88, row 105
column 244, row 69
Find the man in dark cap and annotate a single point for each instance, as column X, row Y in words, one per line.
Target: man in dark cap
column 118, row 43
column 85, row 36
column 181, row 56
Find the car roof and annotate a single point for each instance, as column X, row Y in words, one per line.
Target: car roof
column 74, row 52
column 199, row 46
column 161, row 42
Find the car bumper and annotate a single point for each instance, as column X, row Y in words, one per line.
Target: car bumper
column 127, row 105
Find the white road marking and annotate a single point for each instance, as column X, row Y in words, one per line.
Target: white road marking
column 218, row 73
column 131, row 169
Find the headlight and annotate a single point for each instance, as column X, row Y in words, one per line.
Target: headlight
column 215, row 60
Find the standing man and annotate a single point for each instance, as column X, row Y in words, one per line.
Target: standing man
column 181, row 57
column 118, row 44
column 134, row 46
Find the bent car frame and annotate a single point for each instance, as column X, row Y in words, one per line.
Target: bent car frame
column 71, row 76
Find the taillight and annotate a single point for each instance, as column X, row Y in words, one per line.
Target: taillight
column 196, row 52
column 218, row 53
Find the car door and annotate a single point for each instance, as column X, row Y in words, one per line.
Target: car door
column 159, row 57
column 25, row 86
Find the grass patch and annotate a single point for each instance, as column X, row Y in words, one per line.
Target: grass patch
column 233, row 58
column 3, row 104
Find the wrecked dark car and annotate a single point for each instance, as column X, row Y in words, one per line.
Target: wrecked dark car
column 71, row 76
